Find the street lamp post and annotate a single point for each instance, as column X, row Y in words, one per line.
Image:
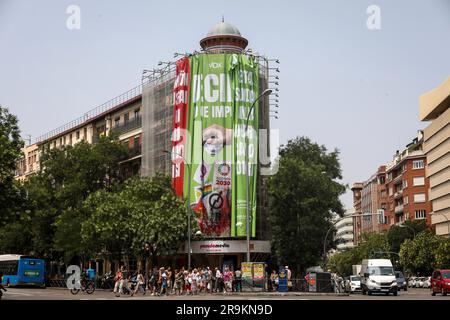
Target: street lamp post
column 188, row 209
column 409, row 227
column 247, row 181
column 334, row 223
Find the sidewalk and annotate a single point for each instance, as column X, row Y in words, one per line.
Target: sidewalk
column 287, row 294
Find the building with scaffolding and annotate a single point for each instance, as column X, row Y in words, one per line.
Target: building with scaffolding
column 143, row 118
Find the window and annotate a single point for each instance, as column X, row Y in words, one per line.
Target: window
column 405, row 184
column 126, row 117
column 418, row 164
column 406, row 200
column 391, row 191
column 404, row 167
column 419, row 197
column 64, row 139
column 421, row 214
column 78, row 134
column 137, row 113
column 85, row 134
column 383, row 193
column 70, row 139
column 116, row 122
column 419, row 181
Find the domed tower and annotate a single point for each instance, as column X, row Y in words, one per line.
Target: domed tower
column 224, row 37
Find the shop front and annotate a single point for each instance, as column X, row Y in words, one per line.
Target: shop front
column 221, row 253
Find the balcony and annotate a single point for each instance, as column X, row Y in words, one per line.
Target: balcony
column 132, row 153
column 135, row 151
column 129, row 125
column 398, row 194
column 398, row 179
column 398, row 209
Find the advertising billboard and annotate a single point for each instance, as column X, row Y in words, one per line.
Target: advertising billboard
column 222, row 91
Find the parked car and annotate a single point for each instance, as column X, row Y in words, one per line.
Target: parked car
column 412, row 282
column 401, row 281
column 419, row 283
column 354, row 284
column 440, row 282
column 427, row 283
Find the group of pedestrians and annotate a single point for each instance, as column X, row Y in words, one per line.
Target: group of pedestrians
column 165, row 281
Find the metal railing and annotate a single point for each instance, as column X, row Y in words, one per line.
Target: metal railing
column 124, row 97
column 301, row 285
column 129, row 125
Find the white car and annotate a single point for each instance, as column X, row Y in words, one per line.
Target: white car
column 427, row 283
column 419, row 283
column 412, row 282
column 355, row 283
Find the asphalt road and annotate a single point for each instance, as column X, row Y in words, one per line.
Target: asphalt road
column 64, row 294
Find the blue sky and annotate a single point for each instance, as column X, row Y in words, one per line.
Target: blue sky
column 341, row 84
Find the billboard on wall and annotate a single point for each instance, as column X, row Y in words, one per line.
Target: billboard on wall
column 222, row 89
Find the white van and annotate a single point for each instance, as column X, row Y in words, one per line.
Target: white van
column 377, row 275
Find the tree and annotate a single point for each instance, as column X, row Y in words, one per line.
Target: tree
column 443, row 254
column 145, row 210
column 51, row 209
column 302, row 196
column 396, row 235
column 425, row 253
column 373, row 245
column 11, row 195
column 73, row 173
column 417, row 255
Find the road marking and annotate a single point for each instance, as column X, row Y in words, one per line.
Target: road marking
column 19, row 293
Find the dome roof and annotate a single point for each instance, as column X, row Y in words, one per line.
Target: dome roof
column 223, row 28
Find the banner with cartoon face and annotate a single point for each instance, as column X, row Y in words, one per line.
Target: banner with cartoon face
column 222, row 90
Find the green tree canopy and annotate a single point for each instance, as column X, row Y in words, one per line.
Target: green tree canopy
column 51, row 208
column 145, row 210
column 425, row 252
column 11, row 195
column 396, row 235
column 372, row 245
column 302, row 196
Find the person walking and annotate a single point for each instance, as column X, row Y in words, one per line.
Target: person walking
column 154, row 281
column 207, row 273
column 118, row 285
column 289, row 277
column 238, row 280
column 227, row 275
column 163, row 281
column 177, row 287
column 218, row 280
column 140, row 282
column 169, row 280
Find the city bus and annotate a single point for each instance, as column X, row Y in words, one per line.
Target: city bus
column 19, row 270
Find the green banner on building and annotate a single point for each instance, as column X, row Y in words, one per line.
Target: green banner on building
column 223, row 88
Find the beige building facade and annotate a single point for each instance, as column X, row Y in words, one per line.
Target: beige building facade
column 435, row 107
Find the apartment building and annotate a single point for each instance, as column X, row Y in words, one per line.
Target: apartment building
column 397, row 192
column 407, row 185
column 435, row 107
column 344, row 232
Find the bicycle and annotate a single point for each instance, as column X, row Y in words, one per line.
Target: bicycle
column 87, row 286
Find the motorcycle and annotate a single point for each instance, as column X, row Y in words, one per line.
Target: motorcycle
column 107, row 281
